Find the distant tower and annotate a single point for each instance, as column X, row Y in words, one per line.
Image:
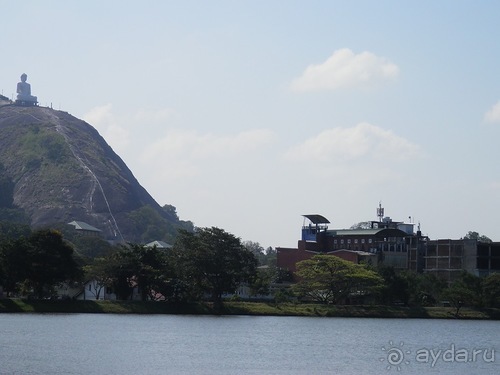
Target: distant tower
column 380, row 212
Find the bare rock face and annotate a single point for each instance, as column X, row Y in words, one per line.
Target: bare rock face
column 55, row 168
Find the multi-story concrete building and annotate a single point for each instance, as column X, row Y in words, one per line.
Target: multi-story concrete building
column 393, row 244
column 448, row 258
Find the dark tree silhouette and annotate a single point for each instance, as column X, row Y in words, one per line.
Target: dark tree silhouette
column 49, row 261
column 213, row 261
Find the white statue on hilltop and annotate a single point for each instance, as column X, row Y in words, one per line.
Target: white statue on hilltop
column 24, row 92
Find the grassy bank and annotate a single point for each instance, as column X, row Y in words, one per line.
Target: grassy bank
column 108, row 307
column 363, row 311
column 241, row 308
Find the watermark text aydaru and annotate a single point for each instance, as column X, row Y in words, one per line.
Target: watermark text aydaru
column 452, row 354
column 399, row 356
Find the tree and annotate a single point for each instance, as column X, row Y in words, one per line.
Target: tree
column 396, row 287
column 427, row 289
column 122, row 267
column 171, row 212
column 330, row 279
column 475, row 285
column 271, row 257
column 148, row 268
column 281, row 276
column 261, row 283
column 99, row 271
column 361, row 225
column 458, row 295
column 409, row 288
column 491, row 290
column 256, row 249
column 13, row 231
column 151, row 267
column 213, row 261
column 49, row 261
column 472, row 235
column 153, row 224
column 466, row 290
column 265, row 257
column 91, row 247
column 13, row 263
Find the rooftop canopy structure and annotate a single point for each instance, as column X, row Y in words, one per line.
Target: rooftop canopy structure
column 317, row 219
column 317, row 224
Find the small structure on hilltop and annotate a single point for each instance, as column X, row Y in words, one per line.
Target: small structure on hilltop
column 85, row 229
column 24, row 97
column 161, row 245
column 4, row 101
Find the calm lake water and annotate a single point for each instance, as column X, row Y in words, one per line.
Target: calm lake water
column 169, row 344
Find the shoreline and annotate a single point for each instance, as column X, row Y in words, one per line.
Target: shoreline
column 244, row 308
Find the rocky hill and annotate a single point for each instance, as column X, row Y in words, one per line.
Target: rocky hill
column 55, row 168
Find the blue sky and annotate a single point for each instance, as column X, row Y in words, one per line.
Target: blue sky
column 247, row 114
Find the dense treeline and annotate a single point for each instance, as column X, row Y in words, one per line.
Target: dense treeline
column 204, row 263
column 329, row 279
column 31, row 263
column 208, row 263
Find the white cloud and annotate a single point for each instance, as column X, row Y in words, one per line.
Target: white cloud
column 103, row 119
column 344, row 69
column 198, row 146
column 493, row 115
column 153, row 116
column 99, row 115
column 363, row 141
column 188, row 150
column 122, row 130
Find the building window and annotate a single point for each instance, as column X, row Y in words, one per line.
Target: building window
column 341, row 242
column 370, row 240
column 334, row 242
column 356, row 241
column 349, row 241
column 362, row 240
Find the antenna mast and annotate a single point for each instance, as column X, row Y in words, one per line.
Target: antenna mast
column 380, row 212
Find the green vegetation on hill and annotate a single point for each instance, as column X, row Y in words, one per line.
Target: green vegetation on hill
column 149, row 224
column 55, row 168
